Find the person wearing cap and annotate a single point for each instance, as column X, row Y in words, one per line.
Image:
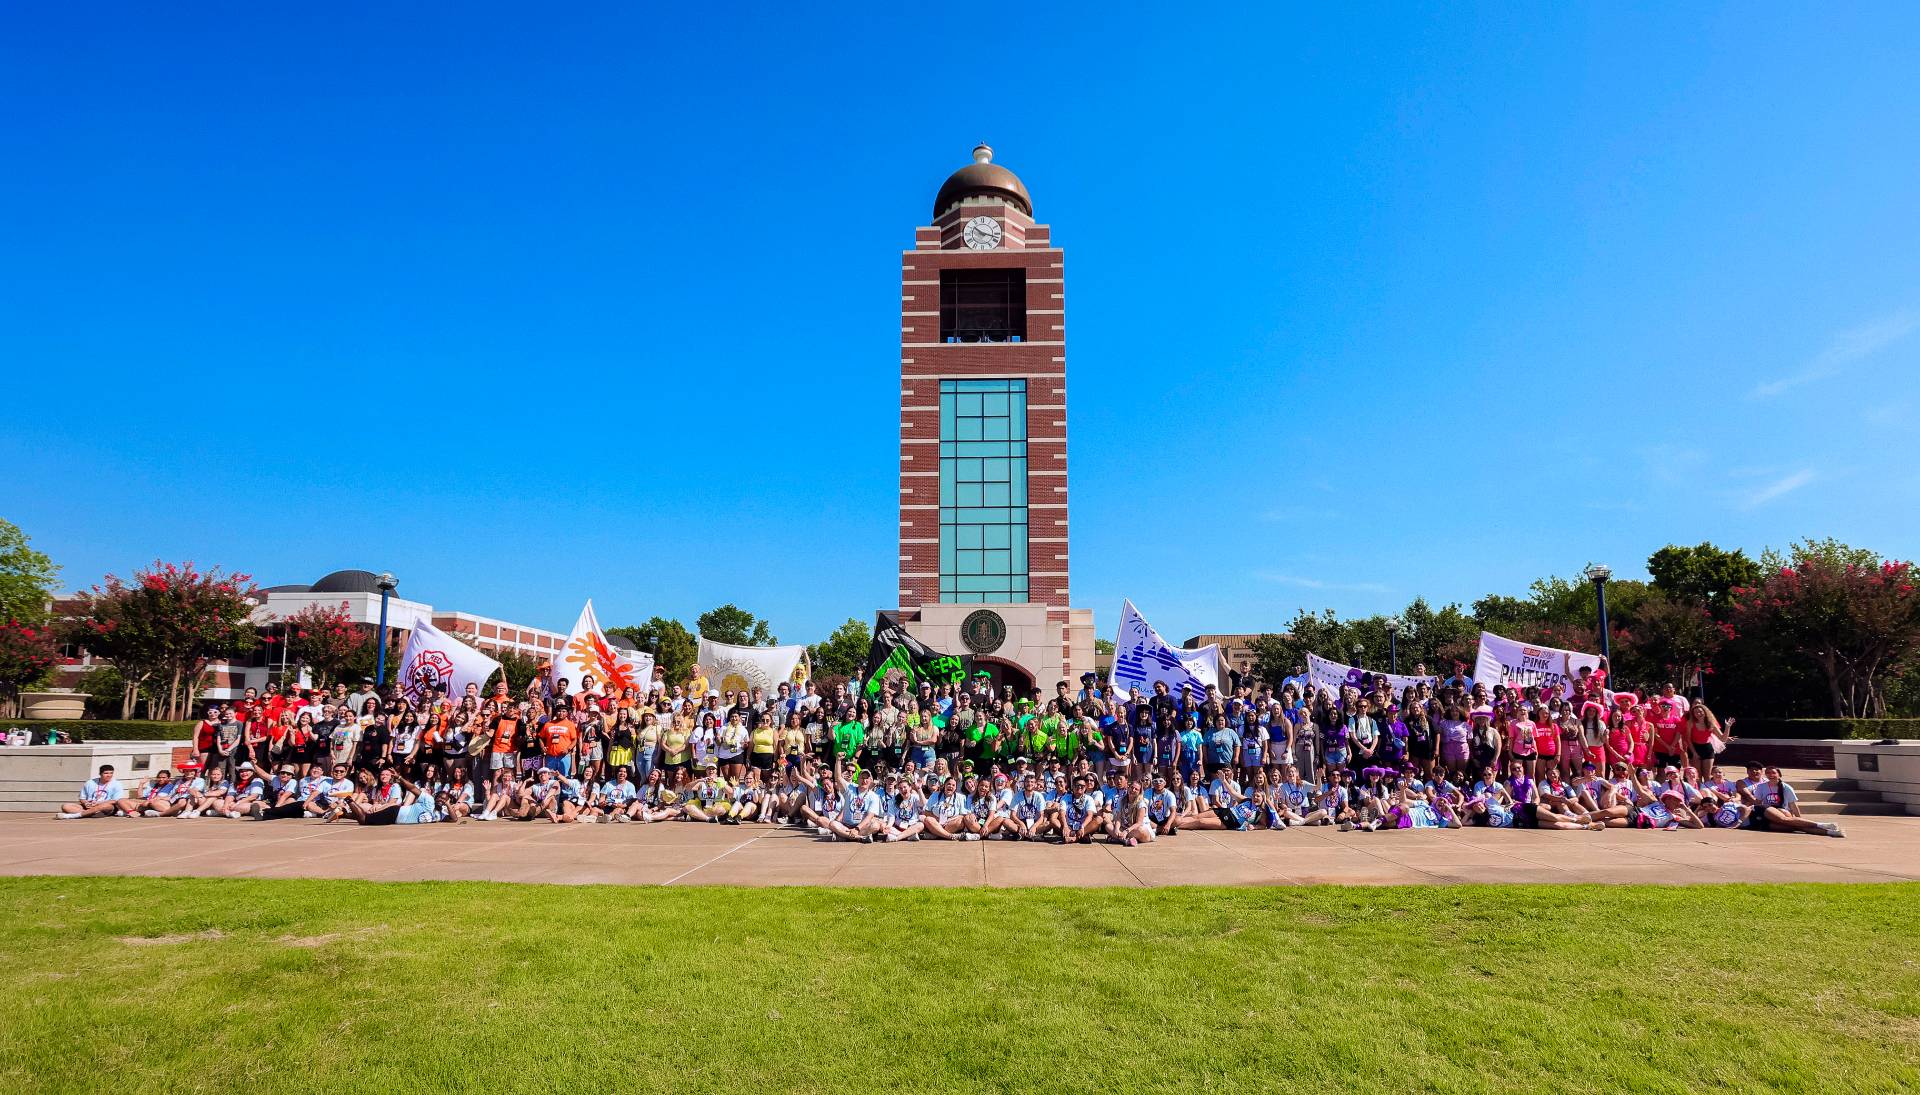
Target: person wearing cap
column 284, row 798
column 1484, row 738
column 1078, row 815
column 249, row 790
column 707, row 799
column 858, row 815
column 1658, row 807
column 1419, row 808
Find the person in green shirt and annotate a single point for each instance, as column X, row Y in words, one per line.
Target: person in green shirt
column 1043, row 733
column 848, row 738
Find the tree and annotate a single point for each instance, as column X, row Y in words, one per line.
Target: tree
column 673, row 647
column 326, row 640
column 519, row 669
column 26, row 578
column 27, row 655
column 843, row 653
column 1667, row 638
column 1856, row 618
column 1703, row 572
column 164, row 628
column 1103, row 646
column 1436, row 639
column 734, row 626
column 104, row 690
column 1281, row 654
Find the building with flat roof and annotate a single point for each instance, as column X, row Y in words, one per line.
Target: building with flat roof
column 358, row 593
column 1236, row 651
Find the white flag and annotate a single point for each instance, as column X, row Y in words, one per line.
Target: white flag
column 737, row 668
column 1517, row 665
column 435, row 659
column 1334, row 676
column 1141, row 657
column 589, row 654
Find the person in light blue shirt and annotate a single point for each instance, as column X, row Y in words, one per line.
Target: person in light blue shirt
column 946, row 813
column 1163, row 808
column 904, row 806
column 619, row 798
column 1080, row 814
column 859, row 815
column 1032, row 811
column 100, row 796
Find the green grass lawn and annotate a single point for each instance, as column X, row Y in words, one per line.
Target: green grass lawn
column 202, row 985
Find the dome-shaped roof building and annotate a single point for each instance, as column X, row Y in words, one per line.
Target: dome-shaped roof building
column 982, row 178
column 348, row 581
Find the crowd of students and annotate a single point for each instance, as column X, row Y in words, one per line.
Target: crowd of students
column 966, row 762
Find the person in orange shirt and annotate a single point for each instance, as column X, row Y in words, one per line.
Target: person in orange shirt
column 557, row 738
column 505, row 724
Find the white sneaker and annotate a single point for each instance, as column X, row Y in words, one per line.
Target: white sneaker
column 969, row 836
column 189, row 813
column 67, row 817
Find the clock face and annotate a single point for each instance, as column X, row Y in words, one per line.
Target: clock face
column 982, row 234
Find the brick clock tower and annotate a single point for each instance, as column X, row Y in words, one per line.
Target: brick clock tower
column 983, row 435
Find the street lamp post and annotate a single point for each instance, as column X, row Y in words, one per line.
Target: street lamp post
column 1598, row 573
column 1358, row 653
column 387, row 584
column 1394, row 625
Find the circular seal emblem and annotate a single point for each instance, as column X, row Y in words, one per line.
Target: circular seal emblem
column 983, row 631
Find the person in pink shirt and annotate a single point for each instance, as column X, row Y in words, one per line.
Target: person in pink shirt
column 1520, row 743
column 1546, row 740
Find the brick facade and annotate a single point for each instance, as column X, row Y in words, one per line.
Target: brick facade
column 1040, row 359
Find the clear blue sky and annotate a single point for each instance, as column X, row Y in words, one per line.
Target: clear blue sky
column 530, row 304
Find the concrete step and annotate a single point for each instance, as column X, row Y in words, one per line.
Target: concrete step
column 1807, row 777
column 1842, row 795
column 1874, row 808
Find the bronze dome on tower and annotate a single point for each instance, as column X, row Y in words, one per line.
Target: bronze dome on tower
column 982, row 177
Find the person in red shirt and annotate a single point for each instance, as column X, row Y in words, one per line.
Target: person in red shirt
column 205, row 743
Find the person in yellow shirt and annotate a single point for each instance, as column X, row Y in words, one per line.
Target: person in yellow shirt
column 676, row 748
column 764, row 743
column 793, row 740
column 697, row 686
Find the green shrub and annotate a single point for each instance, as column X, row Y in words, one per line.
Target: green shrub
column 1869, row 729
column 107, row 729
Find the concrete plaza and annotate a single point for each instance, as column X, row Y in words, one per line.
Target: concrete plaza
column 1876, row 849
